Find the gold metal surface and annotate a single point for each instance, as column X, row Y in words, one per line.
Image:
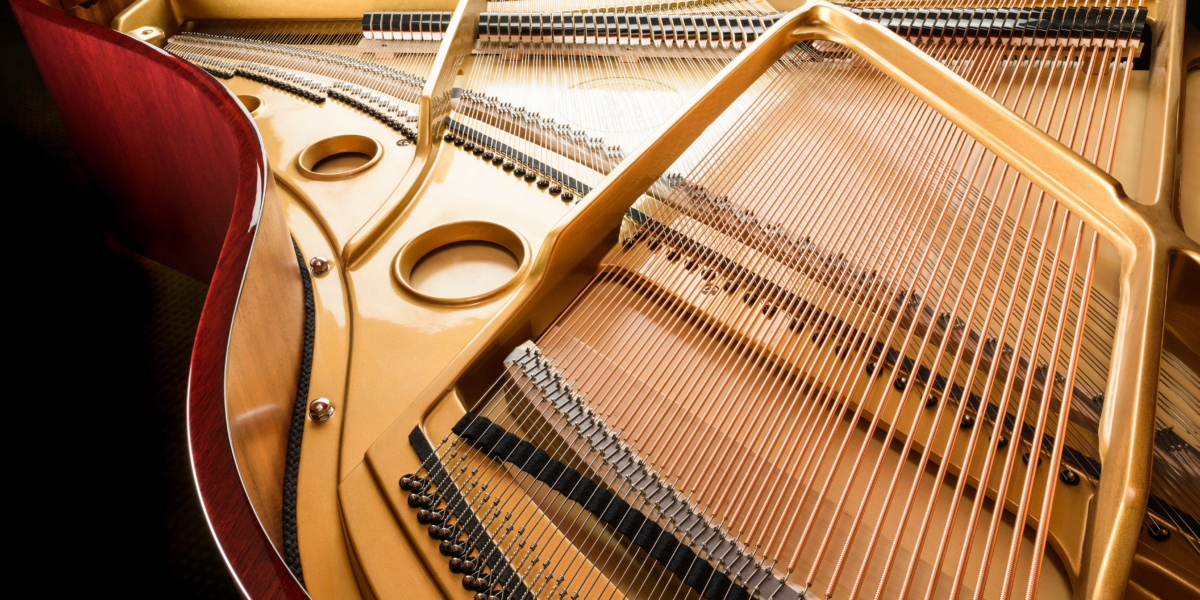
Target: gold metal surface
column 150, row 35
column 311, row 157
column 164, row 14
column 253, row 104
column 460, row 231
column 1188, row 206
column 434, row 105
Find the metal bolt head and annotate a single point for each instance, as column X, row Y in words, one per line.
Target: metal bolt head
column 320, row 265
column 150, row 35
column 1158, row 532
column 1069, row 477
column 320, row 409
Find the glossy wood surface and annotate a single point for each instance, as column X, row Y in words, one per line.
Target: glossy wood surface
column 184, row 174
column 263, row 367
column 100, row 12
column 154, row 142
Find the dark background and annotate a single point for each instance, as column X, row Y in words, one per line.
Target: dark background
column 103, row 337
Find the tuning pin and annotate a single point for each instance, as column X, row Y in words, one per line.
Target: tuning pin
column 1069, row 477
column 477, row 583
column 420, row 500
column 426, row 516
column 1158, row 532
column 453, row 548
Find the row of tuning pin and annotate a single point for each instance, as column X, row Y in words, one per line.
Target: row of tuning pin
column 546, row 124
column 295, row 52
column 433, row 513
column 387, row 109
column 289, row 81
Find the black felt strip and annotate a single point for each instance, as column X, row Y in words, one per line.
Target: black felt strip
column 567, row 481
column 552, row 471
column 600, row 500
column 648, row 535
column 718, row 587
column 644, row 533
column 537, row 463
column 682, row 562
column 518, row 156
column 616, row 511
column 701, row 572
column 737, row 592
column 522, row 453
column 504, row 448
column 291, row 472
column 583, row 491
column 631, row 523
column 490, row 438
column 664, row 548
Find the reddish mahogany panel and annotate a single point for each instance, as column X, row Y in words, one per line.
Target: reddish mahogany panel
column 152, row 139
column 182, row 170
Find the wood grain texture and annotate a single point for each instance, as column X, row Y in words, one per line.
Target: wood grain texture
column 100, row 12
column 263, row 366
column 182, row 169
column 154, row 140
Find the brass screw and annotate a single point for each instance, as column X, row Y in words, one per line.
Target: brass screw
column 320, row 409
column 320, row 265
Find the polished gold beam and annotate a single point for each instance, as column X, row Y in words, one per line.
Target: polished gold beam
column 433, row 108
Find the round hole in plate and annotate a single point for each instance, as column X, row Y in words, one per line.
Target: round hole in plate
column 462, row 263
column 342, row 162
column 463, row 269
column 339, row 157
column 252, row 103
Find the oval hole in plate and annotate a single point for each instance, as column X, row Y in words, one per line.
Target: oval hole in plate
column 252, row 103
column 461, row 263
column 341, row 162
column 463, row 269
column 339, row 157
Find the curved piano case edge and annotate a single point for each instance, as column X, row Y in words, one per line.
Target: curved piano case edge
column 209, row 231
